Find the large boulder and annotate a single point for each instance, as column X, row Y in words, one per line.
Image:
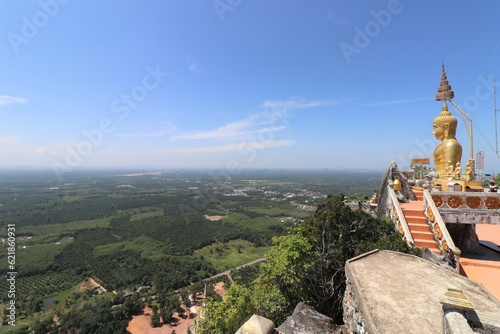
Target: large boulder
column 440, row 260
column 392, row 172
column 257, row 325
column 306, row 320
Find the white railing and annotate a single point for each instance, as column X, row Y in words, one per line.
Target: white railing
column 400, row 218
column 438, row 226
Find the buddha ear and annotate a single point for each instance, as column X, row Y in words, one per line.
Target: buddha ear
column 446, row 128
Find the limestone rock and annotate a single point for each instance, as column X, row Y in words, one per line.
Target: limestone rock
column 440, row 260
column 464, row 237
column 392, row 172
column 306, row 320
column 257, row 325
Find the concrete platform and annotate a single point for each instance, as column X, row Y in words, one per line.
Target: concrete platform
column 484, row 268
column 489, row 233
column 399, row 293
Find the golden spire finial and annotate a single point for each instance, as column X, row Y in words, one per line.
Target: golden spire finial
column 444, row 89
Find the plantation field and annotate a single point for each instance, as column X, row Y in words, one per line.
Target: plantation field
column 283, row 211
column 229, row 255
column 61, row 228
column 72, row 291
column 33, row 259
column 147, row 247
column 134, row 229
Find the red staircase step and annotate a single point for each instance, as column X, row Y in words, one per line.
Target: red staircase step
column 417, row 223
column 419, row 194
column 413, row 209
column 420, row 243
column 414, row 219
column 423, row 235
column 418, row 227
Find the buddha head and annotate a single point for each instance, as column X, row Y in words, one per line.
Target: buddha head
column 445, row 125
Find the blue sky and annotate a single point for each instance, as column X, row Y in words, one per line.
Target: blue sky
column 241, row 84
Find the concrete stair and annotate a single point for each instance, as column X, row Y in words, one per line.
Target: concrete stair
column 417, row 223
column 419, row 194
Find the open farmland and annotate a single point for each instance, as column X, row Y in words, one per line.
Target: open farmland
column 164, row 230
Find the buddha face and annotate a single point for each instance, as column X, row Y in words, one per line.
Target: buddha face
column 438, row 131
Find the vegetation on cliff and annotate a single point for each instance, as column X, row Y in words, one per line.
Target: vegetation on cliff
column 306, row 265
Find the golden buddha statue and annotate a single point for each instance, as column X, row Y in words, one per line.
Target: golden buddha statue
column 448, row 153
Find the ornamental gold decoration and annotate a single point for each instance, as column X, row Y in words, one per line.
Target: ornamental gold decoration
column 473, row 202
column 454, row 202
column 438, row 200
column 492, row 203
column 444, row 244
column 400, row 228
column 430, row 214
column 437, row 231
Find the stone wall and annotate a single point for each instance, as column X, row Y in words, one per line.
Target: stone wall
column 353, row 319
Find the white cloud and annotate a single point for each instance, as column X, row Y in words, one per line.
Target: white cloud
column 336, row 20
column 16, row 150
column 49, row 150
column 274, row 117
column 8, row 140
column 226, row 132
column 152, row 134
column 240, row 147
column 391, row 102
column 192, row 65
column 170, row 128
column 57, row 149
column 294, row 104
column 6, row 100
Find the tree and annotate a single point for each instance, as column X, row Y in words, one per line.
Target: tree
column 309, row 265
column 338, row 233
column 282, row 282
column 185, row 297
column 306, row 265
column 155, row 318
column 421, row 171
column 167, row 314
column 229, row 314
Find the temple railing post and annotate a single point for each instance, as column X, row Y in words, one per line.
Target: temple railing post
column 397, row 217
